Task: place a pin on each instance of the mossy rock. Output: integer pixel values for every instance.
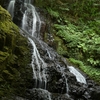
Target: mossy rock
(60, 46)
(1, 80)
(8, 30)
(7, 75)
(14, 58)
(3, 56)
(4, 15)
(2, 41)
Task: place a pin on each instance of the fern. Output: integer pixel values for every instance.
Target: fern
(53, 13)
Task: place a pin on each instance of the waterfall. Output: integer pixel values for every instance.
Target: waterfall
(37, 64)
(80, 78)
(11, 8)
(31, 23)
(28, 1)
(44, 65)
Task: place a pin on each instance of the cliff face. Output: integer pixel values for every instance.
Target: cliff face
(14, 57)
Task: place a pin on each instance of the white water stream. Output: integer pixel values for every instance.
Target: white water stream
(11, 8)
(28, 1)
(31, 23)
(80, 78)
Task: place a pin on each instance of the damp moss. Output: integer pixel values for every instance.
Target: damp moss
(3, 56)
(14, 57)
(60, 46)
(8, 30)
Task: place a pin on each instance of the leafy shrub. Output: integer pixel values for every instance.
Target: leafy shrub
(84, 43)
(53, 13)
(86, 9)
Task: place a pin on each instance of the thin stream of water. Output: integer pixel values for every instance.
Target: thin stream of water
(80, 78)
(37, 62)
(11, 8)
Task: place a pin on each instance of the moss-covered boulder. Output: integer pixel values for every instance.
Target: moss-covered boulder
(14, 58)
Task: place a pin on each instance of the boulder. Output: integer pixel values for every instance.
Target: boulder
(96, 93)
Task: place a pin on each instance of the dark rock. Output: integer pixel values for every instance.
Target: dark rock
(57, 85)
(61, 97)
(39, 94)
(4, 3)
(96, 93)
(18, 12)
(78, 91)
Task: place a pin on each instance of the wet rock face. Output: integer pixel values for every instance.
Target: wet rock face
(4, 3)
(57, 85)
(96, 93)
(18, 12)
(39, 94)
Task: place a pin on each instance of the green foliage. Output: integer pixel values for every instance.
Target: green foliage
(85, 9)
(3, 56)
(60, 47)
(82, 42)
(12, 59)
(53, 13)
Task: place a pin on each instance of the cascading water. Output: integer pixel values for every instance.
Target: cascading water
(31, 24)
(80, 78)
(28, 1)
(11, 7)
(37, 65)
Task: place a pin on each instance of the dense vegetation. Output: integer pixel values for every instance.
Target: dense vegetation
(77, 23)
